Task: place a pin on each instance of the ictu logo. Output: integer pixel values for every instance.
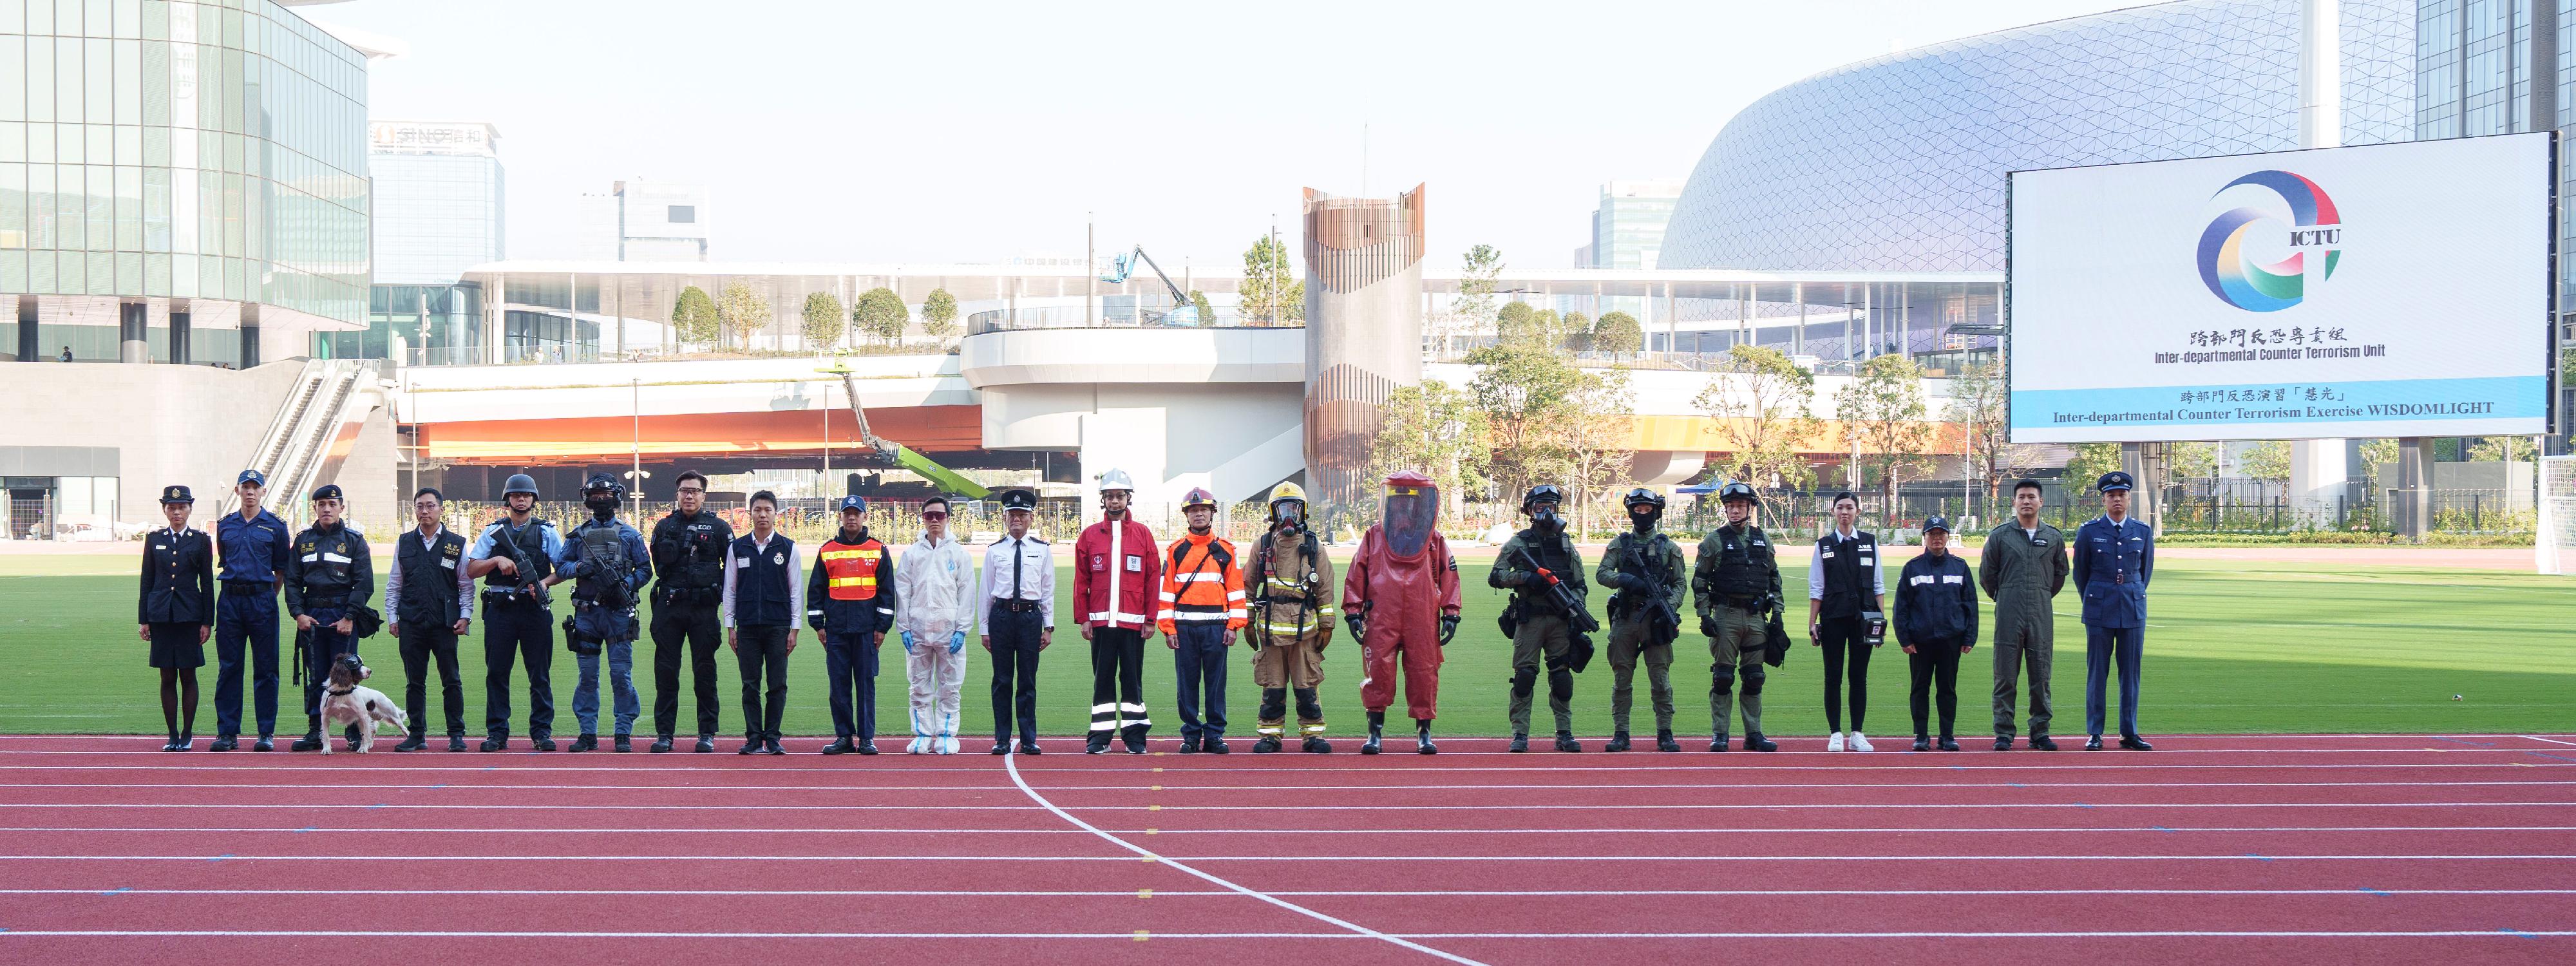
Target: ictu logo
(2314, 223)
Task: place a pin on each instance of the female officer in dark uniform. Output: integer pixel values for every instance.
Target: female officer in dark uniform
(175, 612)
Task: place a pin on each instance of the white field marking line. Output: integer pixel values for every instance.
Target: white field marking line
(1820, 830)
(1290, 808)
(2554, 741)
(1404, 939)
(1256, 894)
(1398, 787)
(1009, 766)
(1431, 894)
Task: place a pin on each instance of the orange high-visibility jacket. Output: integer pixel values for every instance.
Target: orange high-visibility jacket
(1202, 582)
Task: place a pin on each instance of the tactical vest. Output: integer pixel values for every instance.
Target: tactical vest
(531, 541)
(696, 556)
(1557, 555)
(603, 557)
(1847, 571)
(850, 571)
(1744, 564)
(429, 579)
(1643, 556)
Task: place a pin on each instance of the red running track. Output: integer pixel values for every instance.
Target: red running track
(2326, 849)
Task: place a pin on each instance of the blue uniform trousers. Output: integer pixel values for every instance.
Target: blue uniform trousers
(2102, 645)
(245, 620)
(850, 664)
(1201, 662)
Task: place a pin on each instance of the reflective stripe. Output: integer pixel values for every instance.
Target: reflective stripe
(1196, 576)
(1195, 615)
(1104, 708)
(830, 555)
(329, 557)
(813, 613)
(1098, 725)
(1233, 595)
(1313, 729)
(1119, 617)
(1167, 598)
(888, 611)
(309, 558)
(1268, 730)
(853, 582)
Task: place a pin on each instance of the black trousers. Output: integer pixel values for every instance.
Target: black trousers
(419, 644)
(1935, 663)
(762, 650)
(1846, 649)
(696, 623)
(1015, 671)
(1118, 683)
(512, 632)
(322, 647)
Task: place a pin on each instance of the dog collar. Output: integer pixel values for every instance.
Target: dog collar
(336, 692)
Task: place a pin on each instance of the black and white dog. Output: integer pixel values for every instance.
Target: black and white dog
(346, 702)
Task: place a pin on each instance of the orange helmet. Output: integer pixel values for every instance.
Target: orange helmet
(1198, 496)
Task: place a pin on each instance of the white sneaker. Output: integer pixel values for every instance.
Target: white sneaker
(1859, 743)
(948, 744)
(920, 746)
(1835, 742)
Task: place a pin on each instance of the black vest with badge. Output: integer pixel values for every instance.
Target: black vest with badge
(531, 541)
(429, 579)
(761, 591)
(1848, 565)
(1745, 562)
(688, 558)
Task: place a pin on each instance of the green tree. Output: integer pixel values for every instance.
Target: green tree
(1578, 332)
(1270, 294)
(881, 314)
(1517, 325)
(1761, 404)
(2375, 454)
(1529, 396)
(2505, 449)
(1882, 409)
(2268, 460)
(1618, 334)
(2090, 462)
(1473, 310)
(2191, 459)
(1982, 406)
(1601, 440)
(939, 315)
(745, 312)
(1199, 302)
(694, 318)
(823, 321)
(1434, 429)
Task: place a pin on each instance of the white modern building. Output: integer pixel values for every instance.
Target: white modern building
(645, 221)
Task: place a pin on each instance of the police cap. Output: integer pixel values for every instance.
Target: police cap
(177, 494)
(1936, 522)
(253, 477)
(329, 491)
(1019, 500)
(854, 502)
(2114, 480)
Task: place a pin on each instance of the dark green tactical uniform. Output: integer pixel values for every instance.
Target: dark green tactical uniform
(1544, 629)
(1732, 585)
(1656, 559)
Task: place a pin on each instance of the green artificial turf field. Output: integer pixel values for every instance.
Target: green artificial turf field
(2231, 647)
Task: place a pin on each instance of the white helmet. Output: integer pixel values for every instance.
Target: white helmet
(1116, 479)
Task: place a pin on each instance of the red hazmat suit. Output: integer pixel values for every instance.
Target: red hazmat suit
(1405, 598)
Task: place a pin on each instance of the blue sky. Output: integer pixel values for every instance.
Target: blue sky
(972, 132)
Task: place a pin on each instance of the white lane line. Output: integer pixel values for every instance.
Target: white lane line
(1223, 893)
(1355, 928)
(392, 806)
(1303, 830)
(1394, 787)
(1402, 939)
(2554, 741)
(1176, 863)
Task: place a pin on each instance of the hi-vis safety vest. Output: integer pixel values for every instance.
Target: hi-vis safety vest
(850, 570)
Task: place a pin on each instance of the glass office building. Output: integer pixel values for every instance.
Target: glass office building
(175, 176)
(438, 205)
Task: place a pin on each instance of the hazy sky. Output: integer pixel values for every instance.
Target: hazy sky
(905, 131)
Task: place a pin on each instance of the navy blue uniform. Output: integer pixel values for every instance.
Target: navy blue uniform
(1936, 616)
(178, 596)
(253, 553)
(328, 572)
(2113, 562)
(516, 628)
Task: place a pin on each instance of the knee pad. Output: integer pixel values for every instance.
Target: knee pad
(1274, 703)
(1560, 684)
(1307, 705)
(1524, 680)
(1753, 681)
(1557, 663)
(1721, 679)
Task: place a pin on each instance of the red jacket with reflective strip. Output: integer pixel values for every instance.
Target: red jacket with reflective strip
(1117, 574)
(1202, 583)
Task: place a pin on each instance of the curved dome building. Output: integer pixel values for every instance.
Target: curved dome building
(1898, 162)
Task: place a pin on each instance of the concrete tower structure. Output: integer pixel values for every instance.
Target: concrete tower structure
(1364, 329)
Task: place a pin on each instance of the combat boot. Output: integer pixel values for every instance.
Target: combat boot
(1377, 734)
(661, 745)
(311, 741)
(1520, 743)
(1664, 741)
(1422, 739)
(1189, 746)
(1565, 742)
(1618, 742)
(414, 742)
(586, 742)
(1267, 745)
(1316, 745)
(1216, 746)
(1753, 741)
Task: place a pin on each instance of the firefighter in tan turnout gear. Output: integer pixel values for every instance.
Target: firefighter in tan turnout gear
(1290, 583)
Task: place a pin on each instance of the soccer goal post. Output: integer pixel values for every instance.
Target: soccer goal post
(2554, 543)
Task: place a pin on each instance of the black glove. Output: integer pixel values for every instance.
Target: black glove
(1448, 628)
(1356, 623)
(1633, 582)
(1707, 626)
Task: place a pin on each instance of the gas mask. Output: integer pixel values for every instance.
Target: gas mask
(1544, 517)
(1288, 517)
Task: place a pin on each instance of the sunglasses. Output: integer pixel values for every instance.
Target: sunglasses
(934, 515)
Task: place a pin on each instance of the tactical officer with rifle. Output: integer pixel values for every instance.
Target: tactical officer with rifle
(1736, 586)
(608, 565)
(513, 556)
(1645, 615)
(1547, 617)
(688, 558)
